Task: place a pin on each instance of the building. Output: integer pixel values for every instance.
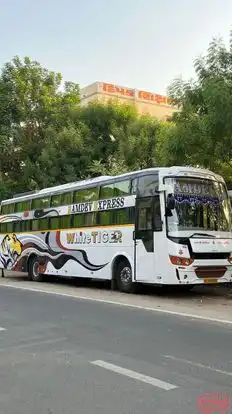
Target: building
(158, 106)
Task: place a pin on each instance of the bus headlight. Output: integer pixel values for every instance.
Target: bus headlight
(180, 261)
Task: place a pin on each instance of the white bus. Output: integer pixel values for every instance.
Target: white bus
(166, 226)
(230, 196)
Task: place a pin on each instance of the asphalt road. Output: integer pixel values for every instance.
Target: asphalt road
(61, 355)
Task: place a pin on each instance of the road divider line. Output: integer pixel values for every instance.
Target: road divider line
(155, 382)
(122, 304)
(198, 365)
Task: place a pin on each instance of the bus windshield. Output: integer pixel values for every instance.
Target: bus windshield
(199, 204)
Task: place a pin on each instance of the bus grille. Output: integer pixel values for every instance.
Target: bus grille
(210, 256)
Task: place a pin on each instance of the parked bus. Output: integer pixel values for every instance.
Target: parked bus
(166, 226)
(230, 196)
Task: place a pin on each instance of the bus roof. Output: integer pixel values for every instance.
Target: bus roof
(104, 179)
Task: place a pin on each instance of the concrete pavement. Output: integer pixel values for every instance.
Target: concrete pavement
(149, 362)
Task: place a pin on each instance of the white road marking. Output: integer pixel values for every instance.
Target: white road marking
(123, 304)
(2, 329)
(155, 382)
(198, 365)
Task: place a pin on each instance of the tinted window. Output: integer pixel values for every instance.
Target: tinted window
(3, 228)
(145, 214)
(35, 225)
(147, 185)
(66, 198)
(134, 186)
(26, 225)
(17, 226)
(90, 219)
(65, 222)
(22, 206)
(56, 200)
(9, 227)
(54, 223)
(122, 216)
(43, 224)
(88, 194)
(79, 220)
(105, 218)
(122, 188)
(43, 202)
(107, 191)
(7, 209)
(157, 214)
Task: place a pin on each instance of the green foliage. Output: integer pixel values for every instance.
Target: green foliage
(202, 134)
(47, 138)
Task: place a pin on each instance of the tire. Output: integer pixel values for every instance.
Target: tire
(124, 277)
(33, 268)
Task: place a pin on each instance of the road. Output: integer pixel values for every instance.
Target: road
(63, 355)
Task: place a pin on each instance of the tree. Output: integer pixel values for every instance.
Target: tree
(202, 130)
(32, 102)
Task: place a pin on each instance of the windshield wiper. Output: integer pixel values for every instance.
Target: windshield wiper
(211, 236)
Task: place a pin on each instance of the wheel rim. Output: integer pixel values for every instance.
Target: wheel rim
(125, 275)
(35, 269)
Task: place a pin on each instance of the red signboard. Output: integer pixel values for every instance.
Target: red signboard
(143, 95)
(149, 96)
(110, 88)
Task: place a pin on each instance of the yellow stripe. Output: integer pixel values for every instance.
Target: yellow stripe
(70, 229)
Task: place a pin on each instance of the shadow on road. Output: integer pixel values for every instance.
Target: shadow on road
(197, 293)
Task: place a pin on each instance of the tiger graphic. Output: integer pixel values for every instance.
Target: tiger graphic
(10, 251)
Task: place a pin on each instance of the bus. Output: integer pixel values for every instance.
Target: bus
(230, 196)
(160, 226)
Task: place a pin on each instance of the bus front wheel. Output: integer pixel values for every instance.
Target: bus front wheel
(33, 270)
(124, 277)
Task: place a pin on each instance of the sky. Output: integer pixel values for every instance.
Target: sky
(142, 44)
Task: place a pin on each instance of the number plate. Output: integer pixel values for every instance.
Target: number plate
(210, 281)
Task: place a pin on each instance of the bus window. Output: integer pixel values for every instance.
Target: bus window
(90, 219)
(122, 188)
(65, 222)
(56, 200)
(54, 223)
(134, 186)
(40, 203)
(66, 199)
(9, 227)
(84, 195)
(7, 209)
(22, 206)
(18, 226)
(105, 218)
(78, 220)
(147, 185)
(157, 214)
(107, 191)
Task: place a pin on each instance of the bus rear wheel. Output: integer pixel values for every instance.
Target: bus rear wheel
(33, 270)
(124, 277)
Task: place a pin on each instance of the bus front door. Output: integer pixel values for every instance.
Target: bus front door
(144, 239)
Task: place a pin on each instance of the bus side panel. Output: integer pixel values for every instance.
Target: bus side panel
(84, 252)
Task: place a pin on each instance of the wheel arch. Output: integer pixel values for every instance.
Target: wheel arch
(116, 260)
